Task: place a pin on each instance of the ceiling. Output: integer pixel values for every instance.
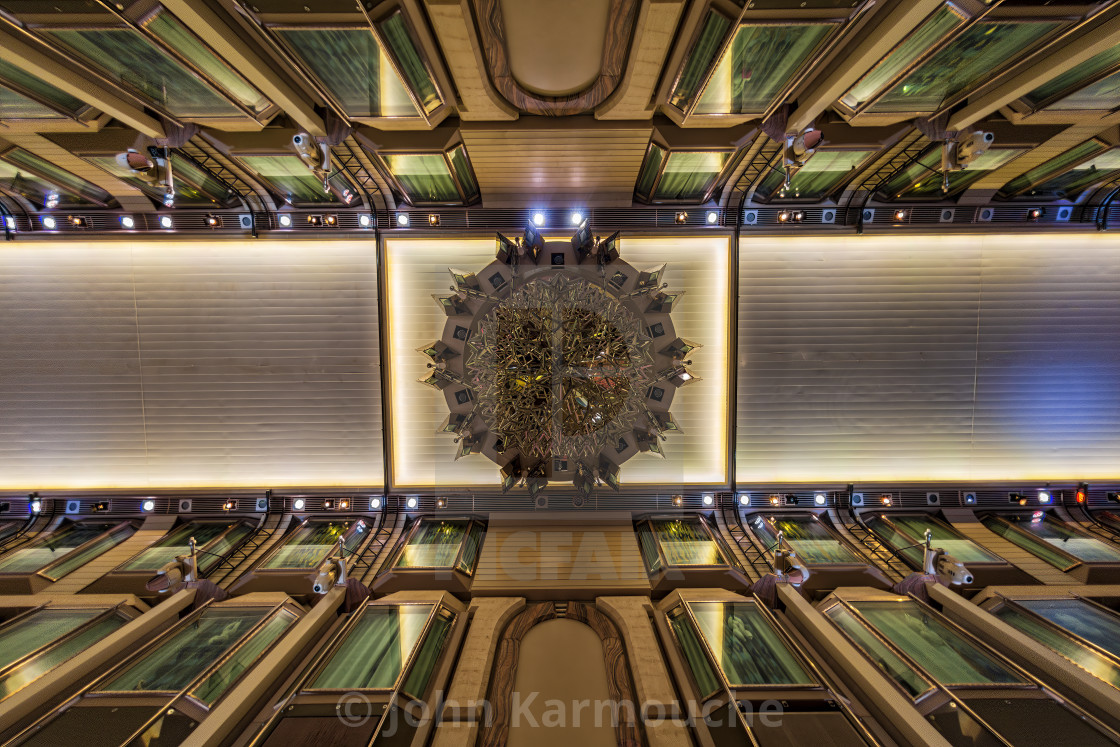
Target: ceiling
(493, 104)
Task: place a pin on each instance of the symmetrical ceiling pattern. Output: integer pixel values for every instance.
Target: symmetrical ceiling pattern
(493, 104)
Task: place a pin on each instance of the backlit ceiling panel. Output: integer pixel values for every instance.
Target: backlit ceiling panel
(418, 269)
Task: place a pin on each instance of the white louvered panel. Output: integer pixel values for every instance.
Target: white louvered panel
(70, 405)
(859, 358)
(249, 363)
(418, 268)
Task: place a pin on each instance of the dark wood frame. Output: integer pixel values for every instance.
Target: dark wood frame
(619, 682)
(616, 48)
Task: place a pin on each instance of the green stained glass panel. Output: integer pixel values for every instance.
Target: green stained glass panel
(966, 61)
(1098, 626)
(1030, 543)
(913, 528)
(700, 59)
(684, 542)
(177, 37)
(434, 545)
(650, 167)
(464, 172)
(55, 546)
(14, 106)
(470, 548)
(38, 629)
(748, 649)
(1052, 532)
(22, 676)
(812, 542)
(79, 558)
(45, 177)
(1070, 184)
(424, 177)
(1075, 76)
(290, 177)
(689, 175)
(1088, 659)
(194, 186)
(174, 544)
(649, 547)
(891, 663)
(376, 650)
(904, 55)
(926, 174)
(355, 70)
(138, 64)
(309, 545)
(757, 64)
(17, 76)
(707, 681)
(1102, 95)
(225, 676)
(1042, 171)
(934, 646)
(188, 653)
(817, 177)
(424, 664)
(411, 64)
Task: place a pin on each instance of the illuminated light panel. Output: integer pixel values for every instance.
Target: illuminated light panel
(417, 268)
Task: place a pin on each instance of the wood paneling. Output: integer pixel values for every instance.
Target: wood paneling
(553, 164)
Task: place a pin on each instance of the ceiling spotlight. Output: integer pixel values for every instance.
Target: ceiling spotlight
(538, 219)
(315, 220)
(165, 221)
(285, 220)
(364, 220)
(820, 498)
(681, 217)
(744, 499)
(713, 217)
(328, 504)
(886, 500)
(900, 215)
(149, 505)
(1035, 213)
(402, 220)
(169, 199)
(441, 503)
(1082, 491)
(412, 502)
(78, 221)
(230, 505)
(374, 504)
(783, 217)
(775, 500)
(127, 222)
(298, 504)
(797, 216)
(330, 220)
(708, 499)
(1043, 496)
(344, 504)
(678, 500)
(577, 217)
(51, 201)
(35, 507)
(214, 221)
(433, 219)
(49, 223)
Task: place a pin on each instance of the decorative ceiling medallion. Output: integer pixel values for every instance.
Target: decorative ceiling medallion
(559, 361)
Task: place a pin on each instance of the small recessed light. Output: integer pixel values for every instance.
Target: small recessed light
(344, 504)
(538, 219)
(127, 222)
(149, 505)
(374, 504)
(681, 217)
(1043, 496)
(678, 500)
(744, 499)
(402, 219)
(364, 221)
(298, 504)
(165, 221)
(285, 220)
(78, 221)
(783, 217)
(886, 500)
(577, 217)
(35, 507)
(1035, 213)
(713, 217)
(433, 219)
(315, 220)
(330, 220)
(230, 505)
(441, 502)
(708, 499)
(412, 502)
(820, 498)
(49, 223)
